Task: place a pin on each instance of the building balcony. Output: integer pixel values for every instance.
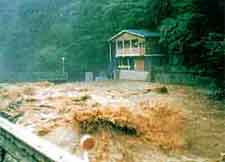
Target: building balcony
(123, 52)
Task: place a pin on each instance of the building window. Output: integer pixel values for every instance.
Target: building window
(142, 45)
(120, 44)
(126, 63)
(135, 43)
(127, 44)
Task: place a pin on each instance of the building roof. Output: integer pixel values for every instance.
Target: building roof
(138, 32)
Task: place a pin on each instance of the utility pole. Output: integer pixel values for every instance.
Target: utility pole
(63, 65)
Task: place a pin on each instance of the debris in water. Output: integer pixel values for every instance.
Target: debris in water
(82, 98)
(162, 90)
(157, 123)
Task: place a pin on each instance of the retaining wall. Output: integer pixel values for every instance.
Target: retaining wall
(182, 78)
(180, 75)
(177, 75)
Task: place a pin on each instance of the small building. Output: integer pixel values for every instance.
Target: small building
(135, 50)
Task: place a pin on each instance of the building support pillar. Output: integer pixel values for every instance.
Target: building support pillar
(128, 63)
(123, 47)
(116, 46)
(130, 46)
(110, 52)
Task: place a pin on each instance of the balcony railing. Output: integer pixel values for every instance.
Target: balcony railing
(130, 52)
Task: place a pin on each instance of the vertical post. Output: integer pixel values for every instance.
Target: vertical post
(111, 61)
(63, 65)
(116, 47)
(117, 64)
(110, 52)
(87, 143)
(139, 48)
(120, 63)
(144, 47)
(130, 47)
(123, 48)
(128, 63)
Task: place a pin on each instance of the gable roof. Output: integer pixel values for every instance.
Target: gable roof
(138, 32)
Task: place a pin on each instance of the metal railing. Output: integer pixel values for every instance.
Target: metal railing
(27, 147)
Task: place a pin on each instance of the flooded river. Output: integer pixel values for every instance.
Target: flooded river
(131, 121)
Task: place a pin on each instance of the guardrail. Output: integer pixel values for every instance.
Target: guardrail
(27, 147)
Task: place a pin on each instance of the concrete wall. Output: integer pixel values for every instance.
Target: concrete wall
(132, 75)
(180, 75)
(17, 145)
(169, 76)
(182, 78)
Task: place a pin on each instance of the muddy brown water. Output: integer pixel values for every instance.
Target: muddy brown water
(47, 107)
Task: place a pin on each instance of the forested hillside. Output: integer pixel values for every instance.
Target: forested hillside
(35, 34)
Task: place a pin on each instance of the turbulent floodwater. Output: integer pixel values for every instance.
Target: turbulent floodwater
(50, 111)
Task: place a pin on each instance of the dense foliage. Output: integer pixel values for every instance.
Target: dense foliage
(36, 34)
(195, 29)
